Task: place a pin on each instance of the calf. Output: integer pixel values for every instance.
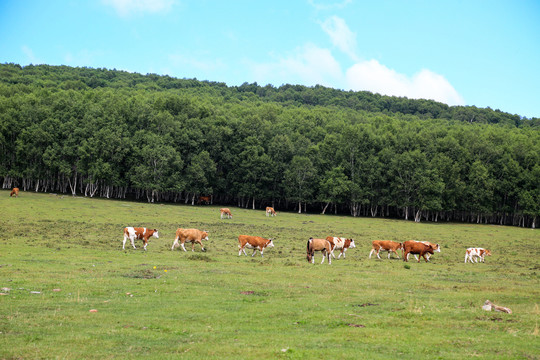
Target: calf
(341, 244)
(321, 245)
(385, 245)
(204, 200)
(15, 192)
(415, 247)
(189, 235)
(133, 233)
(253, 242)
(475, 253)
(270, 211)
(225, 212)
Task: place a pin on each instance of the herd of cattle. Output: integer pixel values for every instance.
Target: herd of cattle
(326, 246)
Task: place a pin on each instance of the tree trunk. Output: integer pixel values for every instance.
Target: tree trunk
(324, 210)
(299, 207)
(253, 204)
(418, 216)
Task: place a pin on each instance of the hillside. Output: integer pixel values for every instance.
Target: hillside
(114, 134)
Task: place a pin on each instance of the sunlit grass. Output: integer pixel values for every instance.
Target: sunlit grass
(170, 304)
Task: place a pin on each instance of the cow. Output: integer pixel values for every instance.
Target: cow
(270, 211)
(204, 199)
(385, 245)
(15, 192)
(133, 233)
(189, 235)
(436, 248)
(475, 253)
(321, 245)
(416, 247)
(341, 244)
(225, 212)
(253, 242)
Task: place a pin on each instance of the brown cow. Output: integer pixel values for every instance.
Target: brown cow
(133, 233)
(204, 199)
(15, 192)
(435, 247)
(270, 211)
(415, 247)
(340, 243)
(385, 245)
(190, 235)
(321, 245)
(225, 212)
(253, 242)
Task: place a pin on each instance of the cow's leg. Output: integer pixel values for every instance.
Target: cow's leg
(239, 250)
(254, 251)
(378, 256)
(428, 256)
(202, 247)
(145, 243)
(371, 252)
(406, 256)
(124, 243)
(342, 253)
(183, 247)
(132, 239)
(397, 254)
(175, 243)
(389, 253)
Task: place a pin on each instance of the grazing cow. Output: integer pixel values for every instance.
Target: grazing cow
(341, 244)
(321, 245)
(415, 247)
(225, 212)
(270, 211)
(436, 248)
(475, 253)
(15, 192)
(253, 242)
(133, 233)
(204, 199)
(385, 245)
(189, 235)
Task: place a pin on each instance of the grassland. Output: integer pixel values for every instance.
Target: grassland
(167, 304)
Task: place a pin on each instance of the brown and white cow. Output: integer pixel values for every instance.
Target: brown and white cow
(15, 192)
(476, 253)
(340, 243)
(385, 245)
(133, 233)
(416, 247)
(253, 242)
(225, 212)
(435, 247)
(270, 211)
(204, 199)
(189, 235)
(321, 245)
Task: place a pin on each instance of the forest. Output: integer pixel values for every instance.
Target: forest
(115, 134)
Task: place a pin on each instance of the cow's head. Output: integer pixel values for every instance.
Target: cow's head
(436, 247)
(270, 243)
(155, 234)
(487, 252)
(204, 235)
(352, 243)
(400, 247)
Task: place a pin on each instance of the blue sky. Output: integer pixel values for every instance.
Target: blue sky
(473, 52)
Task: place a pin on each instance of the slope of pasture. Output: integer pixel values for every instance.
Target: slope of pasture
(166, 304)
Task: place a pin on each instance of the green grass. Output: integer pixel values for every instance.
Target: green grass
(219, 305)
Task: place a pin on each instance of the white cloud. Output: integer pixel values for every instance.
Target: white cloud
(308, 65)
(340, 34)
(375, 77)
(30, 55)
(128, 7)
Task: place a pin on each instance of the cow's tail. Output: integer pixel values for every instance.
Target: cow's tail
(309, 249)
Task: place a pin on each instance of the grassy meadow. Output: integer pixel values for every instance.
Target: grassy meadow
(61, 256)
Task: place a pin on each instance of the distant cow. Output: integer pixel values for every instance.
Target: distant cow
(270, 211)
(340, 244)
(321, 245)
(204, 199)
(225, 212)
(475, 253)
(385, 245)
(253, 242)
(435, 247)
(133, 233)
(189, 235)
(15, 192)
(415, 247)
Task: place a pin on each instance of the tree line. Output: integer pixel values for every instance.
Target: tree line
(114, 134)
